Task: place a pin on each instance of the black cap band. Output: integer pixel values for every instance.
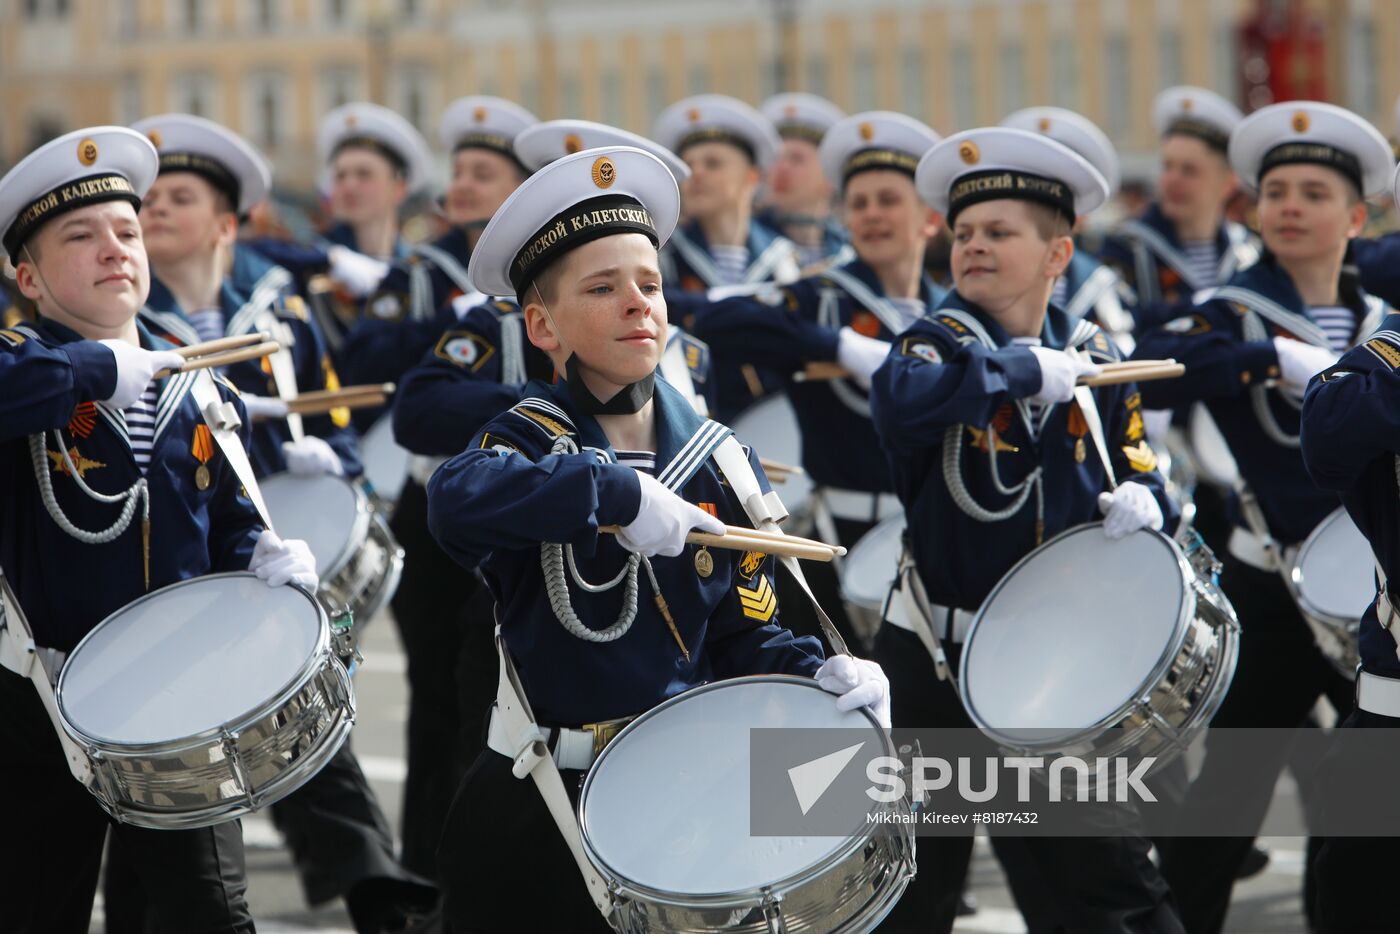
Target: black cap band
(716, 134)
(1214, 136)
(491, 142)
(996, 184)
(215, 173)
(1313, 154)
(573, 227)
(801, 131)
(94, 189)
(870, 159)
(395, 158)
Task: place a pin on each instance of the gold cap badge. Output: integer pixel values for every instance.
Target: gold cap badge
(1187, 104)
(479, 114)
(87, 151)
(1301, 121)
(604, 172)
(693, 115)
(790, 111)
(573, 144)
(867, 132)
(969, 153)
(154, 137)
(1043, 124)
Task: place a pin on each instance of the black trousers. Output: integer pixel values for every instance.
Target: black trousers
(1279, 677)
(51, 845)
(795, 610)
(444, 617)
(1075, 885)
(504, 865)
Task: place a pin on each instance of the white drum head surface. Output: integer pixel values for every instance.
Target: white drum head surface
(1073, 633)
(872, 565)
(188, 659)
(321, 510)
(770, 428)
(1337, 569)
(667, 806)
(384, 459)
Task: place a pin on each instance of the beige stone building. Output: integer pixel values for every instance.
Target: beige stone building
(269, 68)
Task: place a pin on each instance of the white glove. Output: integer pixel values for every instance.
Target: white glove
(663, 521)
(264, 406)
(1059, 371)
(1129, 508)
(1299, 362)
(859, 682)
(311, 457)
(360, 274)
(860, 355)
(278, 562)
(719, 293)
(136, 368)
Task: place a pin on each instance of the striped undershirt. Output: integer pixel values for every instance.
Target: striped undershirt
(910, 309)
(731, 262)
(642, 461)
(208, 323)
(141, 425)
(1060, 295)
(1337, 322)
(1202, 260)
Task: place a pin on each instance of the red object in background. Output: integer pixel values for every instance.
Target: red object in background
(1283, 55)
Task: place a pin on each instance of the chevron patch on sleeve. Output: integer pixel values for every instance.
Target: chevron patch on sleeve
(759, 602)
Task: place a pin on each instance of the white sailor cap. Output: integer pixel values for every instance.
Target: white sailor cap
(381, 129)
(1312, 132)
(1192, 111)
(572, 201)
(1075, 131)
(992, 163)
(482, 122)
(187, 143)
(716, 118)
(876, 139)
(798, 115)
(542, 143)
(90, 166)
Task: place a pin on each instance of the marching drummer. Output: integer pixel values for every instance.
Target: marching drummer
(848, 315)
(728, 146)
(1250, 351)
(95, 516)
(797, 199)
(992, 455)
(608, 445)
(1348, 421)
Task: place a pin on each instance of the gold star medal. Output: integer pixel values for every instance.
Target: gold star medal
(704, 562)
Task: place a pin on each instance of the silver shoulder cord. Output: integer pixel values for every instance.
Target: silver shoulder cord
(1254, 331)
(138, 492)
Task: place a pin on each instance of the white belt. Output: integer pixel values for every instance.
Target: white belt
(1251, 549)
(1378, 694)
(573, 749)
(421, 467)
(52, 660)
(860, 506)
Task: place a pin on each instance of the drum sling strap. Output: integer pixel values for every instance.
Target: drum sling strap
(224, 422)
(532, 756)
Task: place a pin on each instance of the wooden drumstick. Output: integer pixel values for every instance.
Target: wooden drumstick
(819, 370)
(772, 467)
(226, 357)
(1161, 370)
(740, 539)
(205, 348)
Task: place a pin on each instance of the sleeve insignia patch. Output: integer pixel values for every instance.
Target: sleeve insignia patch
(758, 602)
(387, 306)
(13, 338)
(1385, 351)
(1140, 456)
(490, 442)
(921, 347)
(1191, 324)
(465, 349)
(750, 564)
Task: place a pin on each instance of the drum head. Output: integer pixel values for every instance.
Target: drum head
(322, 510)
(868, 572)
(188, 658)
(666, 806)
(770, 428)
(385, 461)
(1335, 573)
(1071, 633)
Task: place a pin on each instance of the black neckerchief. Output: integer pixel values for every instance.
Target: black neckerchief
(627, 402)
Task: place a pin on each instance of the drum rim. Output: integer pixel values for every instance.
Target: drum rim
(1295, 575)
(1184, 616)
(848, 565)
(359, 528)
(631, 887)
(313, 663)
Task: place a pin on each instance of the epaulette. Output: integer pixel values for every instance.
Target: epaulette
(1385, 345)
(954, 328)
(12, 338)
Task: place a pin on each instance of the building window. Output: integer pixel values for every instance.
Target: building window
(816, 76)
(697, 79)
(189, 16)
(336, 12)
(195, 93)
(44, 9)
(530, 93)
(267, 108)
(413, 96)
(410, 9)
(964, 92)
(131, 101)
(1169, 50)
(569, 103)
(1064, 73)
(42, 128)
(1012, 76)
(265, 14)
(1116, 94)
(614, 99)
(655, 92)
(339, 86)
(1226, 54)
(863, 92)
(911, 81)
(1361, 66)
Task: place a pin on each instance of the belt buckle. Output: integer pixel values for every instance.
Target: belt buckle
(604, 733)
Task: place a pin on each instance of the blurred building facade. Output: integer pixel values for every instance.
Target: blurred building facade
(270, 68)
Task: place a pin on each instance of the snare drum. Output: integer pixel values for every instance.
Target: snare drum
(206, 700)
(868, 573)
(357, 558)
(770, 427)
(664, 814)
(385, 461)
(1333, 579)
(1084, 636)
